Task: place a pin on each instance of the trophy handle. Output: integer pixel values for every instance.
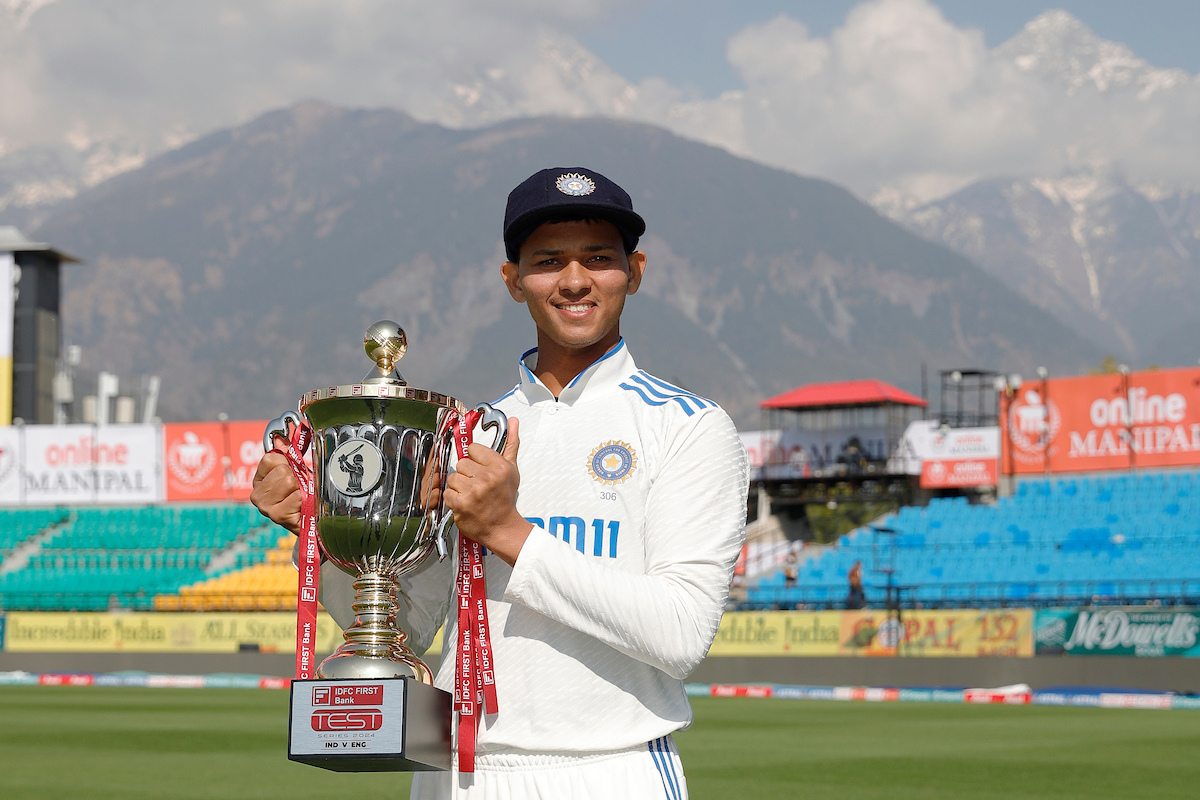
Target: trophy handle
(279, 427)
(492, 418)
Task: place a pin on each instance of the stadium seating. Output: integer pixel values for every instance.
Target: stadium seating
(261, 581)
(20, 525)
(96, 558)
(1120, 538)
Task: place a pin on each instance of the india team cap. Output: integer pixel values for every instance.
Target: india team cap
(573, 193)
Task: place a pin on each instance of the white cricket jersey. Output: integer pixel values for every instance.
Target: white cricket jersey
(637, 491)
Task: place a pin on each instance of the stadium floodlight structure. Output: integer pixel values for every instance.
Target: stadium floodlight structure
(30, 278)
(967, 399)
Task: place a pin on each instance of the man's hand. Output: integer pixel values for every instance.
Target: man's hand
(276, 492)
(482, 493)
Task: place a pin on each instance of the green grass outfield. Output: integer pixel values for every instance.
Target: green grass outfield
(89, 742)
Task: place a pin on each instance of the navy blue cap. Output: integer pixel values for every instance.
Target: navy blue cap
(568, 191)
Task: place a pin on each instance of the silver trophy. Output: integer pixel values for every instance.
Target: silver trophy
(381, 451)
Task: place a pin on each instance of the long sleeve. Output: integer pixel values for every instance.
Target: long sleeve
(694, 524)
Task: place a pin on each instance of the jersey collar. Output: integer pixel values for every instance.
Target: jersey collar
(604, 373)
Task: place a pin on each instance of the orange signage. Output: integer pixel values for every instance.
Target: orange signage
(211, 460)
(1143, 419)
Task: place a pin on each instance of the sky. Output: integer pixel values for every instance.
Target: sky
(902, 101)
(692, 54)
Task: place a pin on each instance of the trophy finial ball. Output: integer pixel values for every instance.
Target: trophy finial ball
(385, 343)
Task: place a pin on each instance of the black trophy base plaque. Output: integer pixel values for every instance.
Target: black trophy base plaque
(370, 725)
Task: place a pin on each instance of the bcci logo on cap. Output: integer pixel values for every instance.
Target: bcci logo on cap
(612, 462)
(575, 184)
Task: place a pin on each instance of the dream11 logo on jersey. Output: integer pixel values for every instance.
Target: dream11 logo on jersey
(1032, 425)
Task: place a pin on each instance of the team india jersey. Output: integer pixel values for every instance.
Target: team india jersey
(637, 493)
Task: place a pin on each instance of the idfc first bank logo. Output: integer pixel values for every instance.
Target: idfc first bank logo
(342, 708)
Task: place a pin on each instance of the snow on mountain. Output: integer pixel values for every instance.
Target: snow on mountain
(1114, 257)
(1059, 49)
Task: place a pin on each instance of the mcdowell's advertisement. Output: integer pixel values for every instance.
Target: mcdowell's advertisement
(1117, 632)
(957, 633)
(160, 632)
(1145, 419)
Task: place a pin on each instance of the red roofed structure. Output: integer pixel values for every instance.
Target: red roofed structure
(845, 430)
(841, 394)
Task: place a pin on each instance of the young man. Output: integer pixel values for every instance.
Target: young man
(612, 523)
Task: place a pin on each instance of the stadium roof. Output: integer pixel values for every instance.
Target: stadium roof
(13, 241)
(843, 393)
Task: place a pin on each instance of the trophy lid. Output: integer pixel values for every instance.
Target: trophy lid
(385, 343)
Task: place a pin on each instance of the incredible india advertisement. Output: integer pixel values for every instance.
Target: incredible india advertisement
(952, 633)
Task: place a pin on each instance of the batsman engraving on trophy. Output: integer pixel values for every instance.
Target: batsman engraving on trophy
(381, 453)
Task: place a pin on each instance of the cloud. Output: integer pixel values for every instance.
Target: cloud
(895, 98)
(150, 70)
(899, 98)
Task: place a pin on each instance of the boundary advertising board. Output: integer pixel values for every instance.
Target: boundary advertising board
(129, 464)
(159, 632)
(1117, 632)
(952, 457)
(1094, 422)
(941, 633)
(211, 460)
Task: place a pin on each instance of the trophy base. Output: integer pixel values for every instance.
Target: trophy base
(370, 725)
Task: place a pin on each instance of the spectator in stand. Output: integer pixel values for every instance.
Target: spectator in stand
(791, 572)
(855, 598)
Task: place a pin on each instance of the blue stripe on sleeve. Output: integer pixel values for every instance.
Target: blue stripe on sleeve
(645, 391)
(703, 401)
(644, 396)
(678, 397)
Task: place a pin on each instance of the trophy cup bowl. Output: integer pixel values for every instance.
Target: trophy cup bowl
(381, 453)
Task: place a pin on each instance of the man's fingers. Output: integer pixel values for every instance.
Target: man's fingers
(268, 462)
(514, 440)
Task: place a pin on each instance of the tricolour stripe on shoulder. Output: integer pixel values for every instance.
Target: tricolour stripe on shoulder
(649, 401)
(658, 393)
(704, 401)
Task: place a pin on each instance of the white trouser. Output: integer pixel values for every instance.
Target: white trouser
(649, 772)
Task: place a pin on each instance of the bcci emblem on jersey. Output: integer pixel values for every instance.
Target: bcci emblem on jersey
(612, 462)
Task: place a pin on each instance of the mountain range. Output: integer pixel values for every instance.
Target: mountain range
(244, 267)
(1118, 263)
(1116, 259)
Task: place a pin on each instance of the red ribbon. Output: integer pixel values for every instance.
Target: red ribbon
(475, 677)
(309, 562)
